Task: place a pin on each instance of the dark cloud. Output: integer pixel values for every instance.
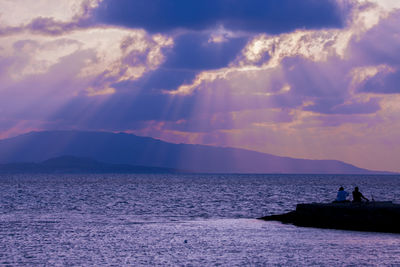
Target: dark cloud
(194, 51)
(380, 46)
(272, 16)
(9, 30)
(191, 54)
(337, 106)
(386, 83)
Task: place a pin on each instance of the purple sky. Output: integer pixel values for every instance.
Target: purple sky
(315, 79)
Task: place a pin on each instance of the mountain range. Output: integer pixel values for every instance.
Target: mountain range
(122, 150)
(71, 164)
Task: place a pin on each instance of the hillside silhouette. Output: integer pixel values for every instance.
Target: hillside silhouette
(71, 164)
(122, 148)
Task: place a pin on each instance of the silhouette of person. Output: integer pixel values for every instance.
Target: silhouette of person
(341, 195)
(357, 196)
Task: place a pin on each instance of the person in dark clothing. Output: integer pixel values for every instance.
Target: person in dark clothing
(357, 196)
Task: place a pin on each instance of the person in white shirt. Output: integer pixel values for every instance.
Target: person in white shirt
(341, 195)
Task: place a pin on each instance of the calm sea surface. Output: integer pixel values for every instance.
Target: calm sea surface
(182, 220)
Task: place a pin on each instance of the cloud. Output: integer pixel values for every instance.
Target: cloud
(46, 17)
(123, 111)
(273, 16)
(190, 54)
(161, 79)
(49, 26)
(40, 74)
(325, 71)
(338, 106)
(386, 83)
(380, 46)
(305, 78)
(194, 51)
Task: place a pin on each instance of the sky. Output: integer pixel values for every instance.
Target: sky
(315, 79)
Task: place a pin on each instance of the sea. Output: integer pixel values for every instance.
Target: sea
(183, 220)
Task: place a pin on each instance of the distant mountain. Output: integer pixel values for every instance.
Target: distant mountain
(122, 148)
(71, 164)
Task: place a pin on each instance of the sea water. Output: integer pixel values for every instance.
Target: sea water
(182, 220)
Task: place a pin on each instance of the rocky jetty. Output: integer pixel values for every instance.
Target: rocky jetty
(365, 216)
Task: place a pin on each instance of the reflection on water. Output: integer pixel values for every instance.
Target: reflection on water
(180, 220)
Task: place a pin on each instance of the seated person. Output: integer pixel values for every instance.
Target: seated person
(341, 195)
(357, 196)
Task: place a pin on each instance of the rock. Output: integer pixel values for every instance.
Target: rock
(365, 216)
